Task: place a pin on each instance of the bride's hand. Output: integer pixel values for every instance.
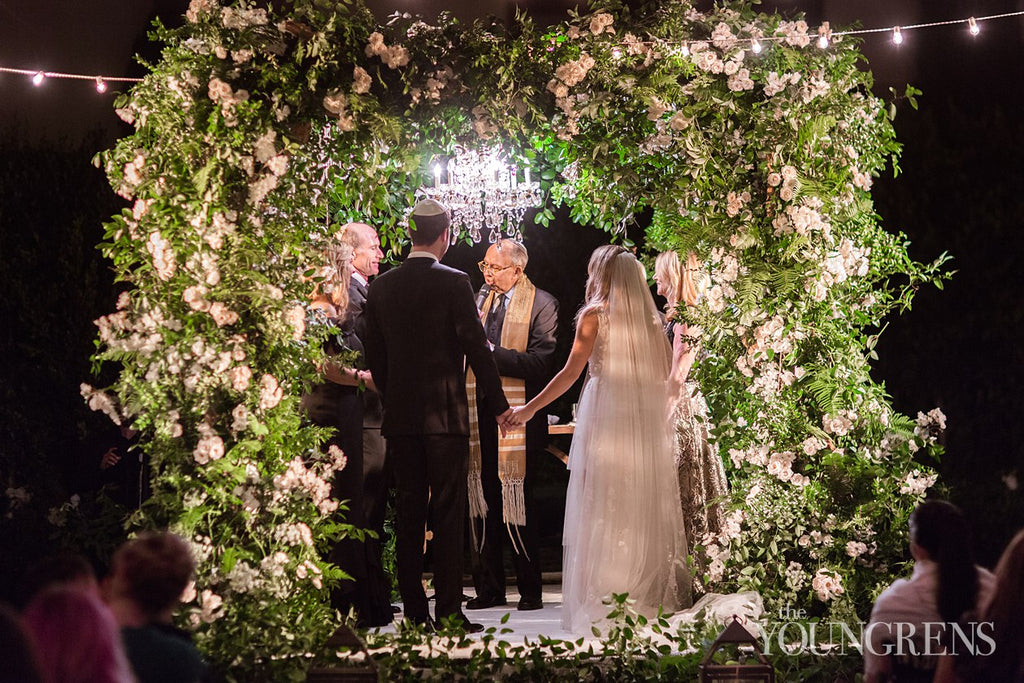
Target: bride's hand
(520, 416)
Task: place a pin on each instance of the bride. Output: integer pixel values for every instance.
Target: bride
(623, 522)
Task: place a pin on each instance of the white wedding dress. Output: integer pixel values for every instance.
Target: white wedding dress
(623, 522)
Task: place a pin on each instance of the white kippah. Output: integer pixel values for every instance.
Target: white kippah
(429, 207)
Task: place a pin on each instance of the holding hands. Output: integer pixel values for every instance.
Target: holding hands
(520, 416)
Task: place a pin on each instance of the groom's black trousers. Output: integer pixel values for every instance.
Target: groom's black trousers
(436, 464)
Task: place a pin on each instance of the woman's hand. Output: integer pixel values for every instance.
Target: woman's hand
(520, 416)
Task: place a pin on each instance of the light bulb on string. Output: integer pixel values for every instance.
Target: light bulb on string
(972, 26)
(616, 53)
(101, 85)
(755, 46)
(38, 78)
(823, 41)
(685, 50)
(897, 36)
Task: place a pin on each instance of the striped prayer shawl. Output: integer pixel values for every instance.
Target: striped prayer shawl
(515, 335)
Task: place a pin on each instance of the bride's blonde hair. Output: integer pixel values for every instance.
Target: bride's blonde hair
(599, 280)
(683, 284)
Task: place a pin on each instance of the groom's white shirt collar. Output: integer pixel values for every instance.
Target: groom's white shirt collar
(358, 277)
(420, 254)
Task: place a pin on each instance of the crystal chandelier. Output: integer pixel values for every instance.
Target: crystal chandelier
(483, 192)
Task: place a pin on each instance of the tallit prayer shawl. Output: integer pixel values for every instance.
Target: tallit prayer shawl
(515, 335)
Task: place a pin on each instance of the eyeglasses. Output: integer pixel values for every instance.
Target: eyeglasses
(485, 266)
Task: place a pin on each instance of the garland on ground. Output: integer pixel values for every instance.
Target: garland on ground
(257, 129)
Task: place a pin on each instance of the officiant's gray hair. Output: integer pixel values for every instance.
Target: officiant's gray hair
(516, 252)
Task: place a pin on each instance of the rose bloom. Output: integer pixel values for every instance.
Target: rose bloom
(240, 377)
(222, 315)
(270, 392)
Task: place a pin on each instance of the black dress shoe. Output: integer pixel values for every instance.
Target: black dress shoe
(529, 604)
(483, 602)
(463, 622)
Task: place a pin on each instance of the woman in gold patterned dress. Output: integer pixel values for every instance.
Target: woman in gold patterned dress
(703, 489)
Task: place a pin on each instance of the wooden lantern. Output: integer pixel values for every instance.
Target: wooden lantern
(735, 635)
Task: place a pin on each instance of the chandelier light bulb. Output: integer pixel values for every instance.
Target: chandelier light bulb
(897, 36)
(972, 26)
(823, 41)
(37, 78)
(101, 85)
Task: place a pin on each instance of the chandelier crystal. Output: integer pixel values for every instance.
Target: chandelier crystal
(483, 192)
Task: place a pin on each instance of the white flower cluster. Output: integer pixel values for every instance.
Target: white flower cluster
(133, 174)
(827, 584)
(795, 576)
(739, 80)
(336, 103)
(790, 184)
(722, 37)
(601, 23)
(917, 483)
(812, 445)
(240, 19)
(780, 465)
(803, 220)
(857, 548)
(221, 91)
(297, 533)
(394, 56)
(815, 86)
(196, 8)
(435, 83)
(777, 83)
(210, 446)
(794, 33)
(299, 478)
(930, 425)
(271, 392)
(101, 401)
(839, 424)
(569, 74)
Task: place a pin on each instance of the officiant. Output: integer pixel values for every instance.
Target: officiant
(520, 322)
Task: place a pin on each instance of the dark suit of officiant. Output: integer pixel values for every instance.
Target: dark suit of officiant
(535, 366)
(421, 324)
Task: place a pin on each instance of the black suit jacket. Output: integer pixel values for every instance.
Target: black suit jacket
(372, 410)
(535, 365)
(421, 326)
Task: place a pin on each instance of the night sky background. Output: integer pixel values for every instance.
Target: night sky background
(960, 189)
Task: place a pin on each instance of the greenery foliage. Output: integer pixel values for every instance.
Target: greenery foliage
(260, 129)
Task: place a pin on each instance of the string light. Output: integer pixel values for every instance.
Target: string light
(756, 46)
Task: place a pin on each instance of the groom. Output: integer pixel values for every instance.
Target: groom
(421, 326)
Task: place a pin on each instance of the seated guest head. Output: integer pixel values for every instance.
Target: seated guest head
(149, 575)
(17, 651)
(62, 569)
(939, 533)
(428, 223)
(1005, 610)
(76, 637)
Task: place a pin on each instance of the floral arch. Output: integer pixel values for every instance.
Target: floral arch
(259, 129)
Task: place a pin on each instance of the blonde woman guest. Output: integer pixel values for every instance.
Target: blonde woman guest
(623, 529)
(335, 402)
(702, 484)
